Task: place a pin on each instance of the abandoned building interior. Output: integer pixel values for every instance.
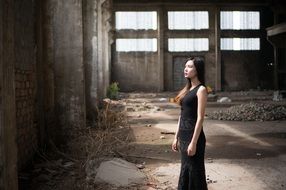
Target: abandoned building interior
(58, 58)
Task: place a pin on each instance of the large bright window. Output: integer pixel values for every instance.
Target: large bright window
(143, 20)
(188, 20)
(240, 44)
(239, 20)
(188, 44)
(132, 45)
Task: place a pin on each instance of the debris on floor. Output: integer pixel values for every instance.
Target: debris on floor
(251, 112)
(119, 172)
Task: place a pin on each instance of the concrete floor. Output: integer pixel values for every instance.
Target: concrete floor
(239, 155)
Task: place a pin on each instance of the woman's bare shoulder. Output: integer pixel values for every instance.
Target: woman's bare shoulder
(202, 90)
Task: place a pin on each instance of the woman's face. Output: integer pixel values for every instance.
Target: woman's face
(190, 70)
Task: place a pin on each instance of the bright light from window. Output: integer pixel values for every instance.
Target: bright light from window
(188, 44)
(240, 44)
(143, 20)
(186, 20)
(240, 20)
(136, 45)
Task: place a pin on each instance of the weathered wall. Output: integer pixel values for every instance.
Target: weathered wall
(239, 70)
(25, 79)
(224, 70)
(136, 71)
(243, 70)
(177, 59)
(67, 61)
(8, 145)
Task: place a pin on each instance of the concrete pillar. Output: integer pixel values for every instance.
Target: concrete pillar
(162, 20)
(8, 145)
(67, 50)
(104, 43)
(97, 40)
(217, 50)
(90, 41)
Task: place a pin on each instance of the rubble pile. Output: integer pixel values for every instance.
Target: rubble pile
(251, 112)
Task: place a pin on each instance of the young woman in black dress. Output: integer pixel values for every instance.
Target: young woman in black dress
(189, 137)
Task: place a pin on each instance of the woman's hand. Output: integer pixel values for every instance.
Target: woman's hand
(175, 145)
(192, 148)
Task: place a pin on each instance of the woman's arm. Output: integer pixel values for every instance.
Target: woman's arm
(202, 101)
(175, 141)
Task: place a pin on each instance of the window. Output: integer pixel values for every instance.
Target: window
(187, 20)
(188, 44)
(239, 20)
(143, 20)
(132, 45)
(240, 43)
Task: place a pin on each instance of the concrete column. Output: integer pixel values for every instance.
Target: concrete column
(8, 145)
(68, 65)
(90, 43)
(217, 50)
(275, 69)
(162, 21)
(104, 51)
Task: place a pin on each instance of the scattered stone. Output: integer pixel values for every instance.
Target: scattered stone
(162, 137)
(149, 125)
(119, 172)
(251, 112)
(139, 115)
(167, 133)
(157, 108)
(140, 166)
(210, 160)
(258, 154)
(224, 100)
(163, 99)
(277, 96)
(130, 109)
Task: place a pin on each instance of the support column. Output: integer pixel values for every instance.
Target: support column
(8, 145)
(69, 80)
(217, 50)
(90, 43)
(162, 21)
(104, 45)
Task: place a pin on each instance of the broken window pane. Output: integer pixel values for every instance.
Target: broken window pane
(143, 20)
(240, 43)
(188, 44)
(133, 45)
(239, 20)
(186, 20)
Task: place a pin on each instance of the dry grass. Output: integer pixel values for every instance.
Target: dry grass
(101, 138)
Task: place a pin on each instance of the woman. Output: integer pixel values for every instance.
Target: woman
(189, 134)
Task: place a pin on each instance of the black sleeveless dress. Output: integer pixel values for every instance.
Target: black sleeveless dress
(192, 175)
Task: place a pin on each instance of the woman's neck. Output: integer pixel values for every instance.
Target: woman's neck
(195, 82)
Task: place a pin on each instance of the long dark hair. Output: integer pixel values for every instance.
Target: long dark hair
(200, 67)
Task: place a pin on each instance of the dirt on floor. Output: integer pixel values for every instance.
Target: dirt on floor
(239, 155)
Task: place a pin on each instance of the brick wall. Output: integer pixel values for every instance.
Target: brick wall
(25, 115)
(25, 79)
